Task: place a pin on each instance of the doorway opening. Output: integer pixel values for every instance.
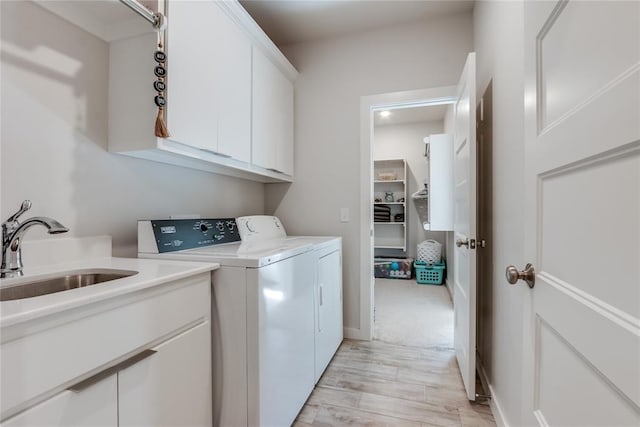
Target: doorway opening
(393, 239)
(412, 308)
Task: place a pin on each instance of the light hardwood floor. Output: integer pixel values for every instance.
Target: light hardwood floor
(377, 383)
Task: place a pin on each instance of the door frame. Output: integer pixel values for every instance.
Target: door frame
(368, 106)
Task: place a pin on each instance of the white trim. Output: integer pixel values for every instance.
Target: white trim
(366, 220)
(496, 407)
(258, 37)
(369, 104)
(354, 334)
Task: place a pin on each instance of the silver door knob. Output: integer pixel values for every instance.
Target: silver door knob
(461, 242)
(528, 275)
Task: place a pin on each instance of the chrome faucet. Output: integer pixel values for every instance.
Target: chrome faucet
(12, 232)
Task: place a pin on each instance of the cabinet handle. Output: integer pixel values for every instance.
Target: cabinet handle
(274, 170)
(82, 385)
(321, 298)
(214, 152)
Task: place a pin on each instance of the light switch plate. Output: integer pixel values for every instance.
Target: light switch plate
(344, 214)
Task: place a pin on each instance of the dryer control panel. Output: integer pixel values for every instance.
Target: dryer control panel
(166, 235)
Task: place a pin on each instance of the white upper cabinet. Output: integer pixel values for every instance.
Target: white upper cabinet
(192, 110)
(209, 80)
(229, 94)
(441, 186)
(272, 121)
(234, 84)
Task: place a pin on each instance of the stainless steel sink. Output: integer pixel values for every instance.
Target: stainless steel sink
(28, 288)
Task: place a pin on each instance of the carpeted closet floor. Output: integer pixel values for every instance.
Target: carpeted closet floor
(410, 314)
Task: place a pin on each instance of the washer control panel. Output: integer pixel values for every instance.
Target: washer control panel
(180, 234)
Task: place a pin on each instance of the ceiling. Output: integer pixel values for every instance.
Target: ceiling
(400, 116)
(296, 21)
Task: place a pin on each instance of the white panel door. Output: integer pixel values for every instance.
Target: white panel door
(582, 213)
(171, 387)
(464, 227)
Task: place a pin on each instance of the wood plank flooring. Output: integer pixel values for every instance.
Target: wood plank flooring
(377, 383)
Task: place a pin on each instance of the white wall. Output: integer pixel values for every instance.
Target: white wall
(54, 141)
(498, 42)
(406, 141)
(334, 74)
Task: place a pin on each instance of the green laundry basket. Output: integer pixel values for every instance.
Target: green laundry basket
(429, 273)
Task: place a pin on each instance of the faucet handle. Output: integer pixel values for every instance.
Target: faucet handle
(26, 205)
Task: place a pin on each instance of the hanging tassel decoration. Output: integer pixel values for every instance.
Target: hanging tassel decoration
(160, 86)
(161, 126)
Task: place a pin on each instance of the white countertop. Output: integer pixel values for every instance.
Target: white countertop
(150, 273)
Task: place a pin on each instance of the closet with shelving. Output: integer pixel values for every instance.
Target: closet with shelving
(389, 204)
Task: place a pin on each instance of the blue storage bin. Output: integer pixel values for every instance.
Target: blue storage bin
(393, 268)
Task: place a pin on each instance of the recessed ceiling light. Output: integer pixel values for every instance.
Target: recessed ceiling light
(385, 113)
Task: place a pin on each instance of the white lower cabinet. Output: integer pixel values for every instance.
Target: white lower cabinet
(97, 405)
(170, 387)
(141, 360)
(164, 387)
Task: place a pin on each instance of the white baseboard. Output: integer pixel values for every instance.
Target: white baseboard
(354, 334)
(446, 285)
(494, 402)
(496, 408)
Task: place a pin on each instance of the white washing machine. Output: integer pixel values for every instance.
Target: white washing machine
(276, 310)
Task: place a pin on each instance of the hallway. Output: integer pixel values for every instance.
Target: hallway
(410, 379)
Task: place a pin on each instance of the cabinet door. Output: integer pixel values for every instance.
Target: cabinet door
(208, 80)
(284, 105)
(172, 387)
(232, 76)
(191, 89)
(329, 320)
(96, 405)
(441, 182)
(272, 116)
